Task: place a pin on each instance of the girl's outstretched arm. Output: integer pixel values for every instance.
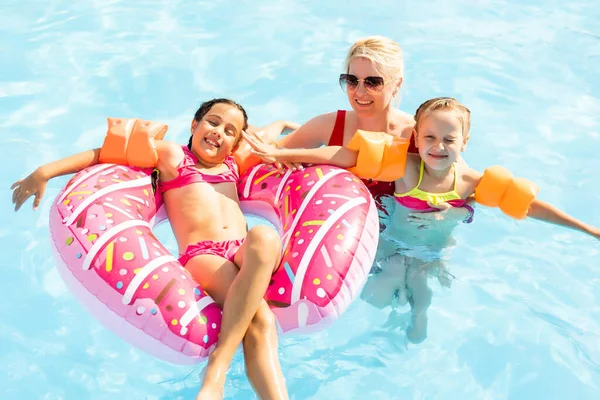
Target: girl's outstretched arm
(547, 212)
(35, 183)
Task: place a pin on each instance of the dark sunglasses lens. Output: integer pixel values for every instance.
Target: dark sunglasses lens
(374, 82)
(348, 81)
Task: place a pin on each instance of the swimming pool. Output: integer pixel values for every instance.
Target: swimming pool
(522, 319)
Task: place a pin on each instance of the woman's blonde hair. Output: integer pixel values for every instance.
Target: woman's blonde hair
(447, 104)
(385, 53)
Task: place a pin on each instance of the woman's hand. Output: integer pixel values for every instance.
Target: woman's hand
(268, 153)
(446, 215)
(33, 185)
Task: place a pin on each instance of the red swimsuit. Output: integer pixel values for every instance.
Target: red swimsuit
(376, 188)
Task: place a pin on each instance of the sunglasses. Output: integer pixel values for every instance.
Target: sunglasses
(371, 83)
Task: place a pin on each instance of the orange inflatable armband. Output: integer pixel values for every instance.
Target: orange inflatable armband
(499, 188)
(381, 156)
(130, 141)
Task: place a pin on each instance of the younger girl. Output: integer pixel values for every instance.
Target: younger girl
(198, 183)
(433, 177)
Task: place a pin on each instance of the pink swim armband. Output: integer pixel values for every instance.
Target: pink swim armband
(131, 141)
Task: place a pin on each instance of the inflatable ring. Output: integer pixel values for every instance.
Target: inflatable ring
(101, 228)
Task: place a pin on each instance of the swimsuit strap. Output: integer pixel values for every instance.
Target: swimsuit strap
(416, 188)
(337, 135)
(421, 170)
(454, 165)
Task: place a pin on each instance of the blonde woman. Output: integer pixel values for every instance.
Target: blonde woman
(374, 72)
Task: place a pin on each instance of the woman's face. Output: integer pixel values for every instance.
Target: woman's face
(369, 92)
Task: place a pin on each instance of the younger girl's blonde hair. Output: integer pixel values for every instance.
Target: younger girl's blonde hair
(385, 53)
(446, 104)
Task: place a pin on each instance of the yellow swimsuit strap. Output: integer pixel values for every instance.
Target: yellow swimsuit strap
(435, 198)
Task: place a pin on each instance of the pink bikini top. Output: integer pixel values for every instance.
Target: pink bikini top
(188, 173)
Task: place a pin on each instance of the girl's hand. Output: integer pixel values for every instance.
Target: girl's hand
(446, 214)
(267, 152)
(33, 185)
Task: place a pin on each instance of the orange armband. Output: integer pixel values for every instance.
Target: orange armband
(499, 188)
(381, 156)
(130, 141)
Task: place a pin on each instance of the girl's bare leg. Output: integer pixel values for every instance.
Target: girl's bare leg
(261, 356)
(240, 308)
(380, 288)
(416, 280)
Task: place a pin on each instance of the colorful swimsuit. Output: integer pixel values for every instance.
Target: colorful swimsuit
(416, 199)
(379, 189)
(188, 174)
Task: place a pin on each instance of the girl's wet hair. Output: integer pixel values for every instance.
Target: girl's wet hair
(446, 104)
(207, 105)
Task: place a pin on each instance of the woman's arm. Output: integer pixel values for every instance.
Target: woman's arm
(35, 183)
(314, 133)
(332, 155)
(546, 212)
(271, 132)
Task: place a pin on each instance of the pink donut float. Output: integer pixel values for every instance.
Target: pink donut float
(101, 228)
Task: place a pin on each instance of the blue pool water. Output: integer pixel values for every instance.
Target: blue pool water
(522, 319)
